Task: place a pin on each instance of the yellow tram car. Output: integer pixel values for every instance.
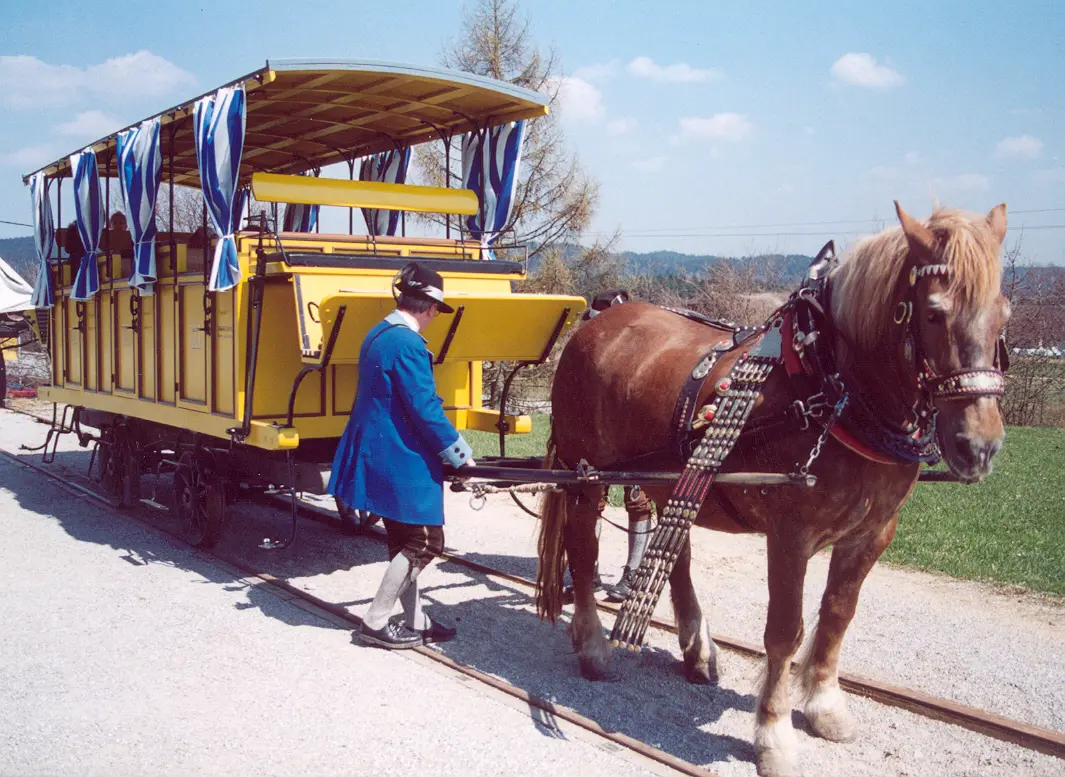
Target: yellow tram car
(253, 384)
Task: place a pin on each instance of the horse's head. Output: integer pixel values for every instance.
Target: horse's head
(951, 301)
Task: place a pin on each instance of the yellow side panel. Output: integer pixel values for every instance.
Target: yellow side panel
(167, 354)
(125, 374)
(106, 341)
(223, 376)
(270, 187)
(73, 343)
(510, 327)
(279, 361)
(345, 379)
(90, 345)
(193, 379)
(147, 348)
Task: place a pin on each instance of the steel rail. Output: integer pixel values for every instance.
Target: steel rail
(989, 724)
(558, 711)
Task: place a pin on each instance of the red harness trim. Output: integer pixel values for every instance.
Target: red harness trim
(794, 365)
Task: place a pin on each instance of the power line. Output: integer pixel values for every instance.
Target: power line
(16, 223)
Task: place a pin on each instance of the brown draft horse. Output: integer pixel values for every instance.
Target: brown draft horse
(613, 397)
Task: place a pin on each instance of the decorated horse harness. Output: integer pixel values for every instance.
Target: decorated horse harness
(800, 335)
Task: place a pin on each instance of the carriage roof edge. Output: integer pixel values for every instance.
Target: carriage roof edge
(358, 107)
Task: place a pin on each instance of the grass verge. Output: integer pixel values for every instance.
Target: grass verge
(1010, 529)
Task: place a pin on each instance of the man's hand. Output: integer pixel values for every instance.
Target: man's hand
(469, 463)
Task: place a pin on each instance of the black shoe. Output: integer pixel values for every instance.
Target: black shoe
(438, 632)
(620, 591)
(567, 592)
(394, 635)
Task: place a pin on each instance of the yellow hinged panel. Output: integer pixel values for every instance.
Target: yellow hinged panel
(489, 327)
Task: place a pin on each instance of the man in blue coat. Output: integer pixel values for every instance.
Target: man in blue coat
(391, 456)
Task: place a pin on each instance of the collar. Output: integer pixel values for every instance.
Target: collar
(403, 318)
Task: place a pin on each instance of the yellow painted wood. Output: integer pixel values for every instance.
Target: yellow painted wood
(485, 420)
(270, 187)
(494, 327)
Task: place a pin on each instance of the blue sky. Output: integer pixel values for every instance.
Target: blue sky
(725, 128)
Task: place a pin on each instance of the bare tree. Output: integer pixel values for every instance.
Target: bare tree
(555, 198)
(1035, 383)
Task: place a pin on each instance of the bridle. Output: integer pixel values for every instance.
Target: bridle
(958, 385)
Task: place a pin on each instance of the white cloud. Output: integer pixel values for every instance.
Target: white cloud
(28, 82)
(680, 73)
(621, 126)
(966, 182)
(912, 158)
(578, 100)
(89, 125)
(731, 127)
(651, 164)
(859, 69)
(602, 71)
(29, 157)
(1022, 146)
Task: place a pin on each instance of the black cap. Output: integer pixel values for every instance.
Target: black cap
(422, 282)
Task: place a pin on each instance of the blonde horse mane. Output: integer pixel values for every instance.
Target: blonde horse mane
(866, 282)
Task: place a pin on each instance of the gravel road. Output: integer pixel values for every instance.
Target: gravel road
(988, 647)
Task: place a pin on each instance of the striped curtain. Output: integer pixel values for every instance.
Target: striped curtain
(89, 207)
(220, 120)
(43, 240)
(300, 217)
(490, 163)
(140, 163)
(386, 167)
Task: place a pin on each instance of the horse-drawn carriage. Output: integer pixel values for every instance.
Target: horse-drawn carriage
(236, 361)
(229, 351)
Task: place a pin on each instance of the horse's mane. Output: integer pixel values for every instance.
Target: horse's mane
(866, 282)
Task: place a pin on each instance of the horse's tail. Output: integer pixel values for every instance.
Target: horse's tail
(554, 513)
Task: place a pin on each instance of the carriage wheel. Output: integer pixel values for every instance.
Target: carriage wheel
(355, 521)
(199, 501)
(109, 460)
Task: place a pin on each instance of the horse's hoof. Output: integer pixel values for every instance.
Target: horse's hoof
(595, 669)
(776, 752)
(828, 716)
(700, 673)
(771, 763)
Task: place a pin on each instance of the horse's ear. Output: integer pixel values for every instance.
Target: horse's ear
(996, 220)
(920, 239)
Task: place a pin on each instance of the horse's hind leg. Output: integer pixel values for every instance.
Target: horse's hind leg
(775, 747)
(700, 653)
(826, 707)
(582, 547)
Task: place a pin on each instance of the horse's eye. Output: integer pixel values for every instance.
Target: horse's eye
(936, 317)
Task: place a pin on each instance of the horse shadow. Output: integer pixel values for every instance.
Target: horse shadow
(499, 633)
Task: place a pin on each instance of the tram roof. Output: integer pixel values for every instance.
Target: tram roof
(309, 113)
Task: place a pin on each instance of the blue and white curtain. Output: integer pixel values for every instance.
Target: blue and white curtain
(140, 163)
(386, 167)
(43, 240)
(220, 120)
(490, 164)
(300, 217)
(89, 207)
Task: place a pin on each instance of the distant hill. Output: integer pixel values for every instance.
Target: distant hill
(21, 255)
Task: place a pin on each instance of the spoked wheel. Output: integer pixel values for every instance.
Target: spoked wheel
(109, 461)
(199, 501)
(355, 521)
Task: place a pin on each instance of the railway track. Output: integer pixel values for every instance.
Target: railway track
(988, 724)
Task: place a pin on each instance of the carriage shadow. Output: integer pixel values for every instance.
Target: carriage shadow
(650, 700)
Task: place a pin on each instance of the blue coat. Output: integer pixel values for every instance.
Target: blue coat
(390, 459)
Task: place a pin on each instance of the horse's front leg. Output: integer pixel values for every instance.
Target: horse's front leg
(775, 746)
(700, 653)
(582, 547)
(826, 707)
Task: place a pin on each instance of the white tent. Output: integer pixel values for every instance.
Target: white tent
(15, 293)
